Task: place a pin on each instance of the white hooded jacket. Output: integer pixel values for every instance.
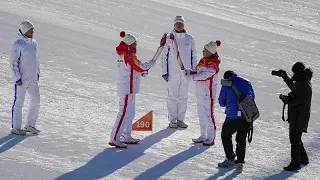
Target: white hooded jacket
(24, 59)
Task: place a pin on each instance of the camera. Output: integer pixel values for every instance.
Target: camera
(279, 72)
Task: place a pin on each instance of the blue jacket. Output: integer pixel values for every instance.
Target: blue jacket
(228, 97)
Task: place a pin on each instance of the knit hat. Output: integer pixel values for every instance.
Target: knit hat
(179, 19)
(25, 26)
(127, 38)
(298, 66)
(228, 74)
(212, 46)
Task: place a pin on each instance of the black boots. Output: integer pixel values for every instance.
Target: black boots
(292, 168)
(298, 156)
(304, 160)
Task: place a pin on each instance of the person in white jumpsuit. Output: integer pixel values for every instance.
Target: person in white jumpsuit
(173, 71)
(26, 71)
(206, 77)
(128, 84)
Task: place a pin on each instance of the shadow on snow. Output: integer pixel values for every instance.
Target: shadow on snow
(112, 159)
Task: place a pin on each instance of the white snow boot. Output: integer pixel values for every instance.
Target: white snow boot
(31, 129)
(129, 140)
(117, 144)
(208, 142)
(181, 124)
(198, 140)
(18, 131)
(173, 124)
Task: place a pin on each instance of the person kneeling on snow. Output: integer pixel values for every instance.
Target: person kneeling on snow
(128, 84)
(235, 121)
(206, 77)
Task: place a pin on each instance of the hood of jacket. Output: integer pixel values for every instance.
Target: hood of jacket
(123, 48)
(304, 75)
(21, 36)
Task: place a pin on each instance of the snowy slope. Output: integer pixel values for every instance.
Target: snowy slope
(77, 42)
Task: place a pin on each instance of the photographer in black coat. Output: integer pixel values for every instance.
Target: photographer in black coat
(299, 103)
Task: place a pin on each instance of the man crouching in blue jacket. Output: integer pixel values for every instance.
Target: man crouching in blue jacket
(234, 120)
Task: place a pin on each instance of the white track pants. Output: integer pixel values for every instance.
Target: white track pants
(123, 123)
(177, 97)
(32, 88)
(205, 110)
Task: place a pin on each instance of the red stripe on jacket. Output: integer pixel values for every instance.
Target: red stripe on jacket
(211, 109)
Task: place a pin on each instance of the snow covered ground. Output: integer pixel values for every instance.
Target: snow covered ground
(77, 41)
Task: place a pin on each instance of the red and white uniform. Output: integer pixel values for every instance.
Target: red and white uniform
(128, 84)
(25, 67)
(178, 83)
(206, 78)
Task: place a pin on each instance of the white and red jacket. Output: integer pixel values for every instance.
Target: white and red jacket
(130, 70)
(206, 76)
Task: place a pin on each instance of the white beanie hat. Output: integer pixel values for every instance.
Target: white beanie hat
(127, 38)
(25, 26)
(212, 46)
(179, 19)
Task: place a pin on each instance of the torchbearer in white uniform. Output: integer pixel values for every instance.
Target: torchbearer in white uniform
(26, 71)
(206, 77)
(179, 53)
(128, 85)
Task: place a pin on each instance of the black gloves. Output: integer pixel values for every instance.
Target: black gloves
(283, 74)
(286, 99)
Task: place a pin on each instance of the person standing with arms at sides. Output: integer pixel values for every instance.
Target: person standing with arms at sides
(206, 77)
(128, 85)
(26, 72)
(179, 53)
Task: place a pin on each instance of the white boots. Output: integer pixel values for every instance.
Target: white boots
(124, 141)
(31, 129)
(24, 131)
(18, 131)
(178, 123)
(198, 140)
(129, 140)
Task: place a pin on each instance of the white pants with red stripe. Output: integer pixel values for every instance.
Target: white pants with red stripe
(32, 88)
(123, 123)
(205, 110)
(177, 97)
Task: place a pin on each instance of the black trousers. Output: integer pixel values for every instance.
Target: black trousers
(228, 129)
(298, 153)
